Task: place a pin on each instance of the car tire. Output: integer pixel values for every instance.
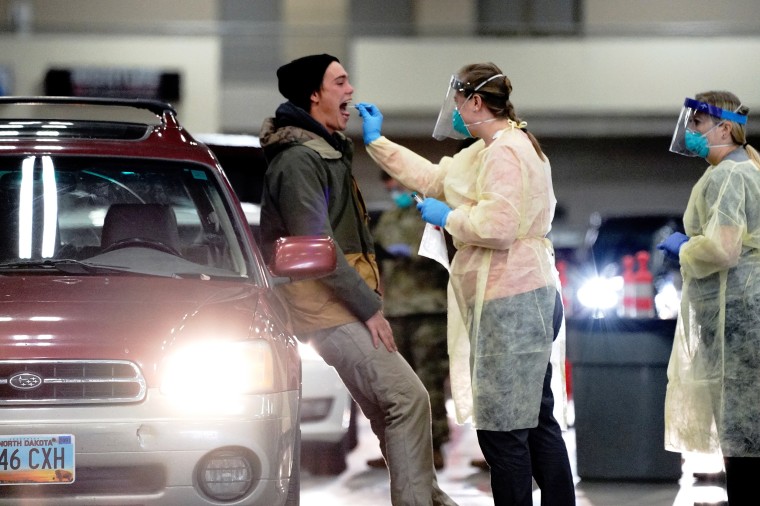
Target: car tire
(324, 459)
(329, 459)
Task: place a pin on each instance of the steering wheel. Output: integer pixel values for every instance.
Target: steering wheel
(137, 242)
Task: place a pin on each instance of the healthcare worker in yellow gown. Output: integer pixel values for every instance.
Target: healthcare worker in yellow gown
(496, 200)
(713, 396)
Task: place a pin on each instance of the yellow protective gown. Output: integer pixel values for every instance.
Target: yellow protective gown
(713, 396)
(503, 281)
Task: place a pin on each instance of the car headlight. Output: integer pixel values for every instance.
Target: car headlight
(600, 292)
(219, 369)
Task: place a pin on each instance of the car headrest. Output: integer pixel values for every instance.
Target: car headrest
(155, 222)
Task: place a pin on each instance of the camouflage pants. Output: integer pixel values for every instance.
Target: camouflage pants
(421, 340)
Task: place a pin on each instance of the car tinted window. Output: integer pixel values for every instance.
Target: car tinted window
(166, 217)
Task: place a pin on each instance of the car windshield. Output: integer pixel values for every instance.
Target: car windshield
(116, 215)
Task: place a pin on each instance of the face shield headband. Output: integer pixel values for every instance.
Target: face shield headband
(444, 126)
(687, 140)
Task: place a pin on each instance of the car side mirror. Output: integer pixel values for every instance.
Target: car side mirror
(302, 257)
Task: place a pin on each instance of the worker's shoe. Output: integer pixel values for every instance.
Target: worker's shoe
(480, 464)
(438, 459)
(377, 463)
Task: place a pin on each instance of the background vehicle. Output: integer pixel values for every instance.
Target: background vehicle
(144, 356)
(328, 413)
(596, 281)
(620, 367)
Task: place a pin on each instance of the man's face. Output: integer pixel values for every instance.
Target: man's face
(329, 105)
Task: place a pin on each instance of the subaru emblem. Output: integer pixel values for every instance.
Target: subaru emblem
(25, 381)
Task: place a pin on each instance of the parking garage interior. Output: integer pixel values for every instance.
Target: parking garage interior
(599, 82)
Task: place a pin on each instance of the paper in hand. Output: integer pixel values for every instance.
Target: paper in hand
(433, 245)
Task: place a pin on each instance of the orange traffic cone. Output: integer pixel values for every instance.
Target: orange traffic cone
(628, 309)
(644, 287)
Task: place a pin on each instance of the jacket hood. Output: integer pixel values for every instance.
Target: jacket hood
(293, 125)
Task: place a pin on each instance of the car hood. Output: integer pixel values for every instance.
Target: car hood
(140, 319)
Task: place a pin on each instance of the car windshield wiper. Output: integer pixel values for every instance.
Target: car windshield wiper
(65, 265)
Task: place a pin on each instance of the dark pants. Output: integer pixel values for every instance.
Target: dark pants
(741, 480)
(517, 457)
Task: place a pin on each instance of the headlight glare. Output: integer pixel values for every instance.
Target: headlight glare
(601, 293)
(219, 369)
(307, 352)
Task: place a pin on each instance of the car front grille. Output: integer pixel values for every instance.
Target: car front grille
(61, 382)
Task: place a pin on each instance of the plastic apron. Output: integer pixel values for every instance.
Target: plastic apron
(712, 402)
(503, 281)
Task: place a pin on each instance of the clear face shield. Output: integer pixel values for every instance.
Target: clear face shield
(444, 126)
(697, 119)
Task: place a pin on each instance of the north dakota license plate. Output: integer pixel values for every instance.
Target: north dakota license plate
(36, 459)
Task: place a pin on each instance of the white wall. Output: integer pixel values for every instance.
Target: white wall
(197, 59)
(630, 75)
(560, 77)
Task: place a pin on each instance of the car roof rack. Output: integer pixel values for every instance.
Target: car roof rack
(155, 106)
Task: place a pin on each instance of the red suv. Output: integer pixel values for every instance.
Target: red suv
(145, 357)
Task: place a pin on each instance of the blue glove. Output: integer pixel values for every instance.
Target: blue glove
(373, 121)
(672, 245)
(434, 211)
(399, 249)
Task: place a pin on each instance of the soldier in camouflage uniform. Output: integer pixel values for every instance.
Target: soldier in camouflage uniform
(414, 302)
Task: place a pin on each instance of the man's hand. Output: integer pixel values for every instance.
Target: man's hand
(381, 331)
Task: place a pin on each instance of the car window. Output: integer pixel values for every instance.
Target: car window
(142, 216)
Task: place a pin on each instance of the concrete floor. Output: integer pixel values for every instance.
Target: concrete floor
(361, 485)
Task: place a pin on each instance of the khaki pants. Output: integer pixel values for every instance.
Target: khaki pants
(393, 398)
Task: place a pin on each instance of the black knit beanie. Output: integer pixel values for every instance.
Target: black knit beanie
(300, 78)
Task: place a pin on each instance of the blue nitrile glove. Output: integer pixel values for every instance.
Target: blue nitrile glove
(373, 121)
(399, 249)
(434, 211)
(672, 245)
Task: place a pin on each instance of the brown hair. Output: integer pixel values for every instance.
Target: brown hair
(495, 94)
(730, 102)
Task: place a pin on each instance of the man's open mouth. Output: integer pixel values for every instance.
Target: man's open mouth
(344, 107)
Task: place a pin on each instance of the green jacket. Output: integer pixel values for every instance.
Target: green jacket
(309, 189)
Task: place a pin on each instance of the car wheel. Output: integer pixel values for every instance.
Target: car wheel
(294, 488)
(329, 459)
(324, 459)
